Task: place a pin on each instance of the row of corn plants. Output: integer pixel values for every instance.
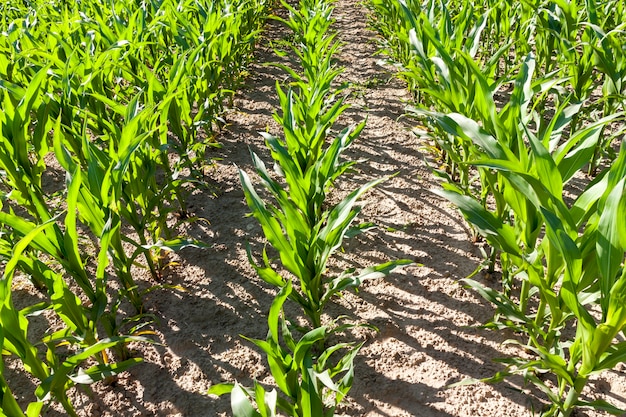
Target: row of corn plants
(121, 98)
(303, 231)
(521, 99)
(578, 44)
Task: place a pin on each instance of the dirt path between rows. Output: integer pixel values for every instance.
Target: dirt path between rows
(428, 334)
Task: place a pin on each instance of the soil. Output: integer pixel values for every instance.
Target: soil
(429, 334)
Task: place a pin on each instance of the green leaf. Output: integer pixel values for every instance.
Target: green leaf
(266, 272)
(602, 405)
(276, 309)
(546, 168)
(349, 280)
(468, 129)
(103, 371)
(614, 354)
(609, 247)
(39, 240)
(240, 404)
(34, 409)
(505, 305)
(221, 389)
(339, 220)
(58, 380)
(175, 245)
(271, 227)
(494, 230)
(306, 343)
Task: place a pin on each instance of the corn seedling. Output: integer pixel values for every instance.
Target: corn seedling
(59, 371)
(303, 232)
(529, 184)
(569, 271)
(312, 384)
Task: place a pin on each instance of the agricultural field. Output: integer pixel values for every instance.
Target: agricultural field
(312, 208)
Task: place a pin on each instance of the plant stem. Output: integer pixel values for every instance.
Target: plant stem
(572, 395)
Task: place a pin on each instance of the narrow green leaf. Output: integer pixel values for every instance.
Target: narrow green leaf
(494, 230)
(240, 404)
(276, 310)
(220, 389)
(609, 247)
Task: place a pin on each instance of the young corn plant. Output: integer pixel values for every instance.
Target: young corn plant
(22, 150)
(565, 275)
(44, 238)
(67, 349)
(511, 126)
(60, 243)
(610, 58)
(95, 57)
(22, 160)
(442, 65)
(304, 248)
(555, 258)
(312, 383)
(432, 44)
(199, 48)
(298, 226)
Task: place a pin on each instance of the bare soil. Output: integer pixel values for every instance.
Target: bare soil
(429, 334)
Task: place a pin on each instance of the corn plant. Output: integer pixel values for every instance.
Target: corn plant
(312, 383)
(95, 59)
(20, 146)
(304, 248)
(22, 168)
(572, 272)
(80, 332)
(608, 52)
(310, 23)
(427, 41)
(299, 227)
(426, 38)
(441, 65)
(200, 49)
(565, 270)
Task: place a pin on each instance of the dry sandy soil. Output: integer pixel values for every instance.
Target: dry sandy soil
(428, 322)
